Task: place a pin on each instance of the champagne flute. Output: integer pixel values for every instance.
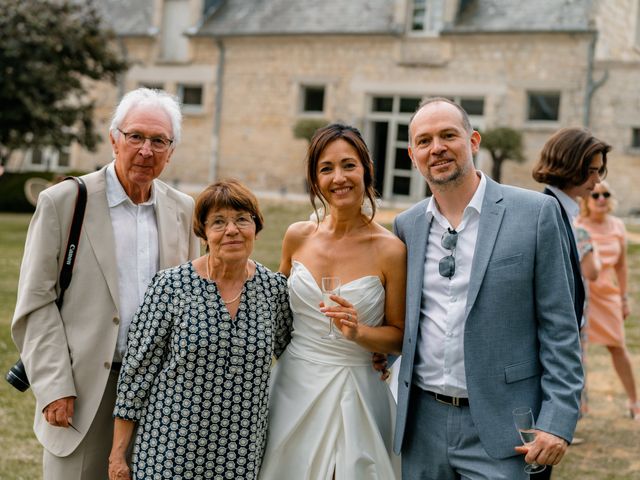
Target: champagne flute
(526, 426)
(330, 286)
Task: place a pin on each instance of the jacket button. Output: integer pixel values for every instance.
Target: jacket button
(107, 365)
(406, 384)
(116, 320)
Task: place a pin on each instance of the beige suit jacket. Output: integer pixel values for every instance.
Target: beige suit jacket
(68, 352)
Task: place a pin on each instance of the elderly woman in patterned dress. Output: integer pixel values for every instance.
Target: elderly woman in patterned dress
(196, 372)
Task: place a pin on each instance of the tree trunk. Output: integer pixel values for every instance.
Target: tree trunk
(496, 169)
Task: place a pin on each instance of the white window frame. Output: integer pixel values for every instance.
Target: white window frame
(529, 121)
(395, 118)
(191, 107)
(634, 148)
(301, 100)
(50, 157)
(432, 20)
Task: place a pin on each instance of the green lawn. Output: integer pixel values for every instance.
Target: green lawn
(610, 451)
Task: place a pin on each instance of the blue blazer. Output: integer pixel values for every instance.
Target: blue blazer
(521, 345)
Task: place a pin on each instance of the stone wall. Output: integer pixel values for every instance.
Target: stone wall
(263, 78)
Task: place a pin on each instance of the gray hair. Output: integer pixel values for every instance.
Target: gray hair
(148, 97)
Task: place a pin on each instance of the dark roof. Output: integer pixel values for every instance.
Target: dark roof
(268, 17)
(523, 15)
(264, 17)
(127, 17)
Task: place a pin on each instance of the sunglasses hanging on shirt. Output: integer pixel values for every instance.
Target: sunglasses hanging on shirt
(447, 265)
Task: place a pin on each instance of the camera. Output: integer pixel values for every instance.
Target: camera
(17, 376)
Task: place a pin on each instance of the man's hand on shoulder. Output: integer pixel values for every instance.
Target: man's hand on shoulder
(547, 449)
(59, 413)
(380, 364)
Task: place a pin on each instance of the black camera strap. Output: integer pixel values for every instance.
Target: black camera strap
(74, 238)
(17, 376)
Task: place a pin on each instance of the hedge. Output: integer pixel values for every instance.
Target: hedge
(12, 198)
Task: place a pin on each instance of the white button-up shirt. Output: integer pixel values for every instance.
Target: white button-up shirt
(137, 251)
(439, 364)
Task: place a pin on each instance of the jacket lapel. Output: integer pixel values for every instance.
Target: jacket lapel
(166, 217)
(490, 220)
(415, 261)
(97, 227)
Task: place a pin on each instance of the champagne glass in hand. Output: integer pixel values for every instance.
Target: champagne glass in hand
(330, 286)
(523, 418)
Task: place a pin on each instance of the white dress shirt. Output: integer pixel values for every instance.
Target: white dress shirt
(439, 364)
(137, 252)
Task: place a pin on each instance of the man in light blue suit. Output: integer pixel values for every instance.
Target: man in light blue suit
(490, 324)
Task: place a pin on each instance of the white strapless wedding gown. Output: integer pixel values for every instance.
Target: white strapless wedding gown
(329, 410)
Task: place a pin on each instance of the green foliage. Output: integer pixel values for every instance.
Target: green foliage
(306, 127)
(49, 51)
(503, 143)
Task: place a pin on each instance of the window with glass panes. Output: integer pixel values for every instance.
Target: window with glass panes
(48, 158)
(312, 100)
(635, 138)
(388, 138)
(418, 15)
(190, 96)
(543, 106)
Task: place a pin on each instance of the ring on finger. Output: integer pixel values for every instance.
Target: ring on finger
(348, 317)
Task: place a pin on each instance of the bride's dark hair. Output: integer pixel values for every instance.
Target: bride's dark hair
(321, 139)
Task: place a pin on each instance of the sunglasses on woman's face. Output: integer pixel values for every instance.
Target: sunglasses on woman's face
(596, 195)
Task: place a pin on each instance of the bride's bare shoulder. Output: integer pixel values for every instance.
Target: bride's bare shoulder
(387, 243)
(298, 232)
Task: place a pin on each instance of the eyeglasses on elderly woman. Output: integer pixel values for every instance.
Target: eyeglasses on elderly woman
(596, 195)
(242, 222)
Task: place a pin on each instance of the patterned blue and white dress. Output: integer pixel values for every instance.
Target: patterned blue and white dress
(196, 380)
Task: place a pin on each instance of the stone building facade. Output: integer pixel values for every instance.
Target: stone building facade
(249, 70)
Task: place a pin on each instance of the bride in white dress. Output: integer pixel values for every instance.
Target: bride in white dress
(331, 416)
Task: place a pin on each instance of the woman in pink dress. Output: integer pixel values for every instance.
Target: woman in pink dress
(608, 303)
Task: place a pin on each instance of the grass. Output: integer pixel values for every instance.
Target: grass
(609, 453)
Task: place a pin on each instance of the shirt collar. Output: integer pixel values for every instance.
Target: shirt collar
(474, 204)
(569, 204)
(115, 191)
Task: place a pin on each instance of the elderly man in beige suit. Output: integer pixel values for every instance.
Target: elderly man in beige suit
(134, 226)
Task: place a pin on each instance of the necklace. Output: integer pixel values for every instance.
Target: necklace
(234, 299)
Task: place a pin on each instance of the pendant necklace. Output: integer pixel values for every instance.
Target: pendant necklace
(234, 299)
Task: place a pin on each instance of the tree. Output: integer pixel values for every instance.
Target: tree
(306, 128)
(49, 51)
(503, 143)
